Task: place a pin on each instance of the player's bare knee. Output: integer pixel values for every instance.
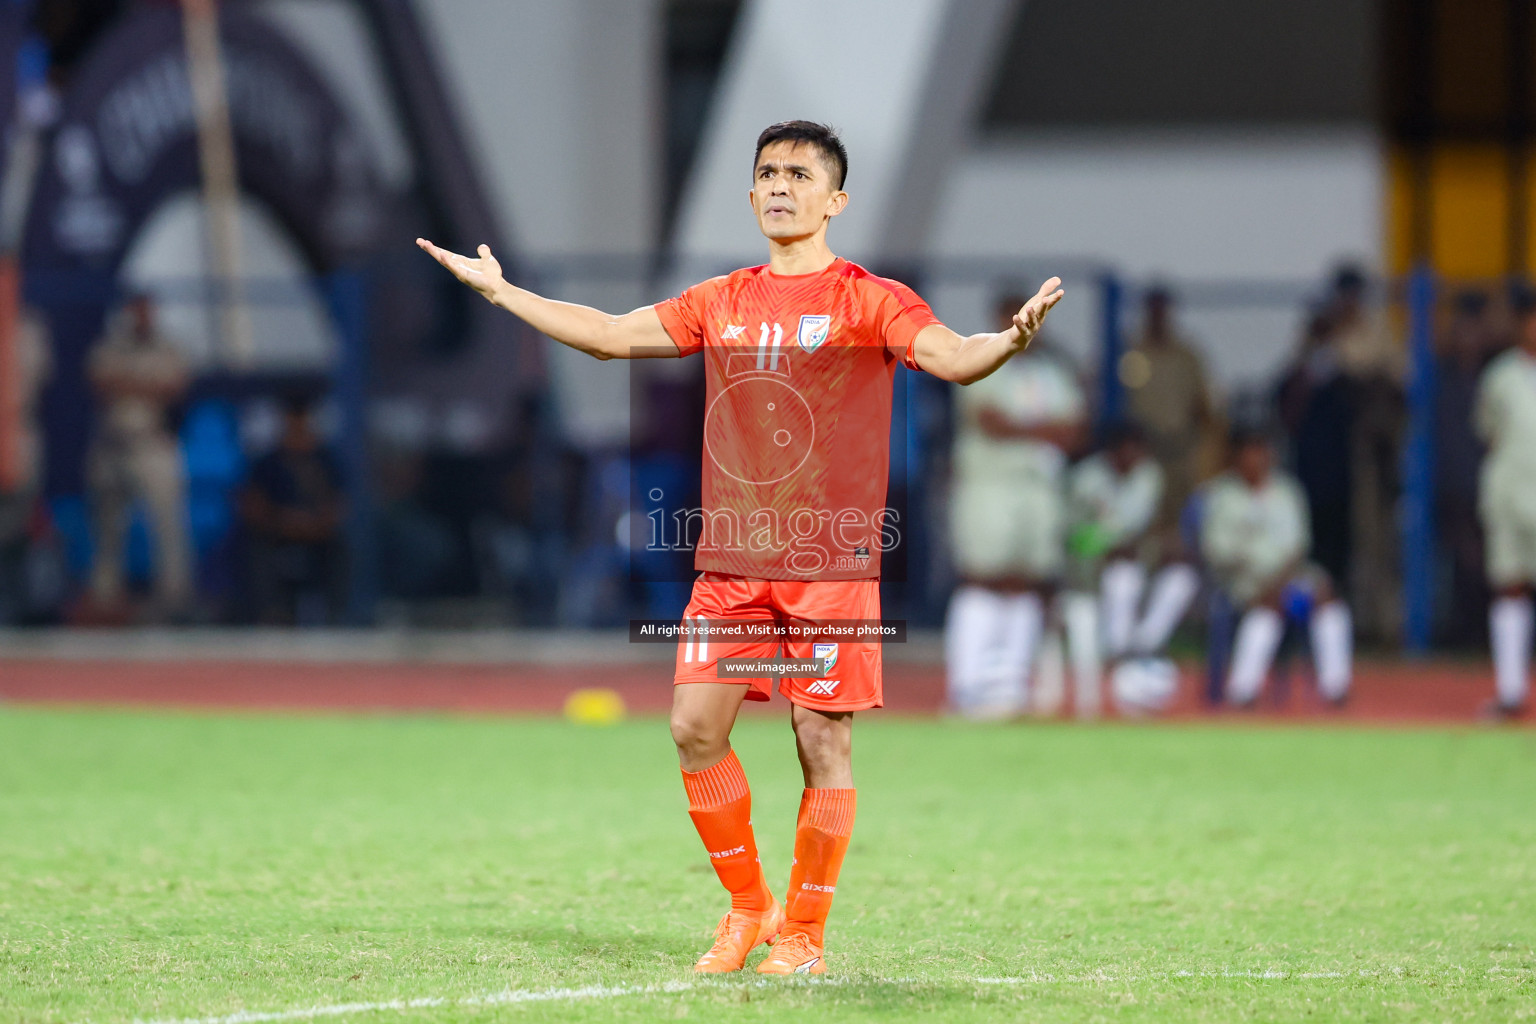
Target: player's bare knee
(696, 737)
(688, 731)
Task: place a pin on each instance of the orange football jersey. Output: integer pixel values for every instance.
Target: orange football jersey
(797, 428)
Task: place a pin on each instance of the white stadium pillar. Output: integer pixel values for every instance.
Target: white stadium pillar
(562, 102)
(902, 80)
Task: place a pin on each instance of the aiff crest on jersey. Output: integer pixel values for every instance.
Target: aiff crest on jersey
(813, 331)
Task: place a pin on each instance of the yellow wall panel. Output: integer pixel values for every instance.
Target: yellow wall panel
(1469, 209)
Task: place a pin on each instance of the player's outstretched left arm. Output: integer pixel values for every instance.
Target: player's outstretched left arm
(966, 360)
(634, 335)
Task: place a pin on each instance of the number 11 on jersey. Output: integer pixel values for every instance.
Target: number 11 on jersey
(762, 346)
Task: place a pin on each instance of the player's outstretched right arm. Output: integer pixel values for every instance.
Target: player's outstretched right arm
(965, 360)
(634, 335)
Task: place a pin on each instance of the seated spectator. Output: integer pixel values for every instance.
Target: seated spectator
(415, 549)
(1255, 535)
(293, 509)
(1115, 498)
(518, 541)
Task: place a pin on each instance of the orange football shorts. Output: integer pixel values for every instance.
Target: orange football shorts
(853, 679)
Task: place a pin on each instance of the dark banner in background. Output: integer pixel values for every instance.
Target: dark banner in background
(126, 143)
(127, 140)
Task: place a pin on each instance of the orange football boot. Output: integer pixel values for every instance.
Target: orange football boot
(739, 933)
(794, 953)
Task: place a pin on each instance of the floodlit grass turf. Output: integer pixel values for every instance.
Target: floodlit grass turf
(166, 865)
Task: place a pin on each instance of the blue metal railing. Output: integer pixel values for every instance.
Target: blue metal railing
(1418, 501)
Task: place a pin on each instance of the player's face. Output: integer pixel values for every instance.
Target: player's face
(792, 191)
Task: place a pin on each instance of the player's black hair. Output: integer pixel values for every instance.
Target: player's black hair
(824, 138)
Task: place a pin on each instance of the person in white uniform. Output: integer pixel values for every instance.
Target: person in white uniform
(1255, 537)
(1114, 497)
(1505, 418)
(1014, 432)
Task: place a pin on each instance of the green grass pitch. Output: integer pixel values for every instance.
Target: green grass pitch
(159, 866)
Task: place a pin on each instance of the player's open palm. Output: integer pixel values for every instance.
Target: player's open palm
(1032, 314)
(483, 274)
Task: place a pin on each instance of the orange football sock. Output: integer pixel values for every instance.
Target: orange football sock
(821, 839)
(720, 805)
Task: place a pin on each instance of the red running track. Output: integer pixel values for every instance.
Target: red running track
(1435, 691)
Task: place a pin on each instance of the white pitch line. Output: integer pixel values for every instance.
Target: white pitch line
(541, 995)
(510, 996)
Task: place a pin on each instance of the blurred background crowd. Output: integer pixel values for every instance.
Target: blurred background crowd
(212, 510)
(254, 403)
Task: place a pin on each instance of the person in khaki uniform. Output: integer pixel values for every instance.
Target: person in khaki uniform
(1505, 417)
(1168, 395)
(139, 374)
(1014, 432)
(1254, 537)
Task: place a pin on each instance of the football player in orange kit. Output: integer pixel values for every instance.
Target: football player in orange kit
(797, 439)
